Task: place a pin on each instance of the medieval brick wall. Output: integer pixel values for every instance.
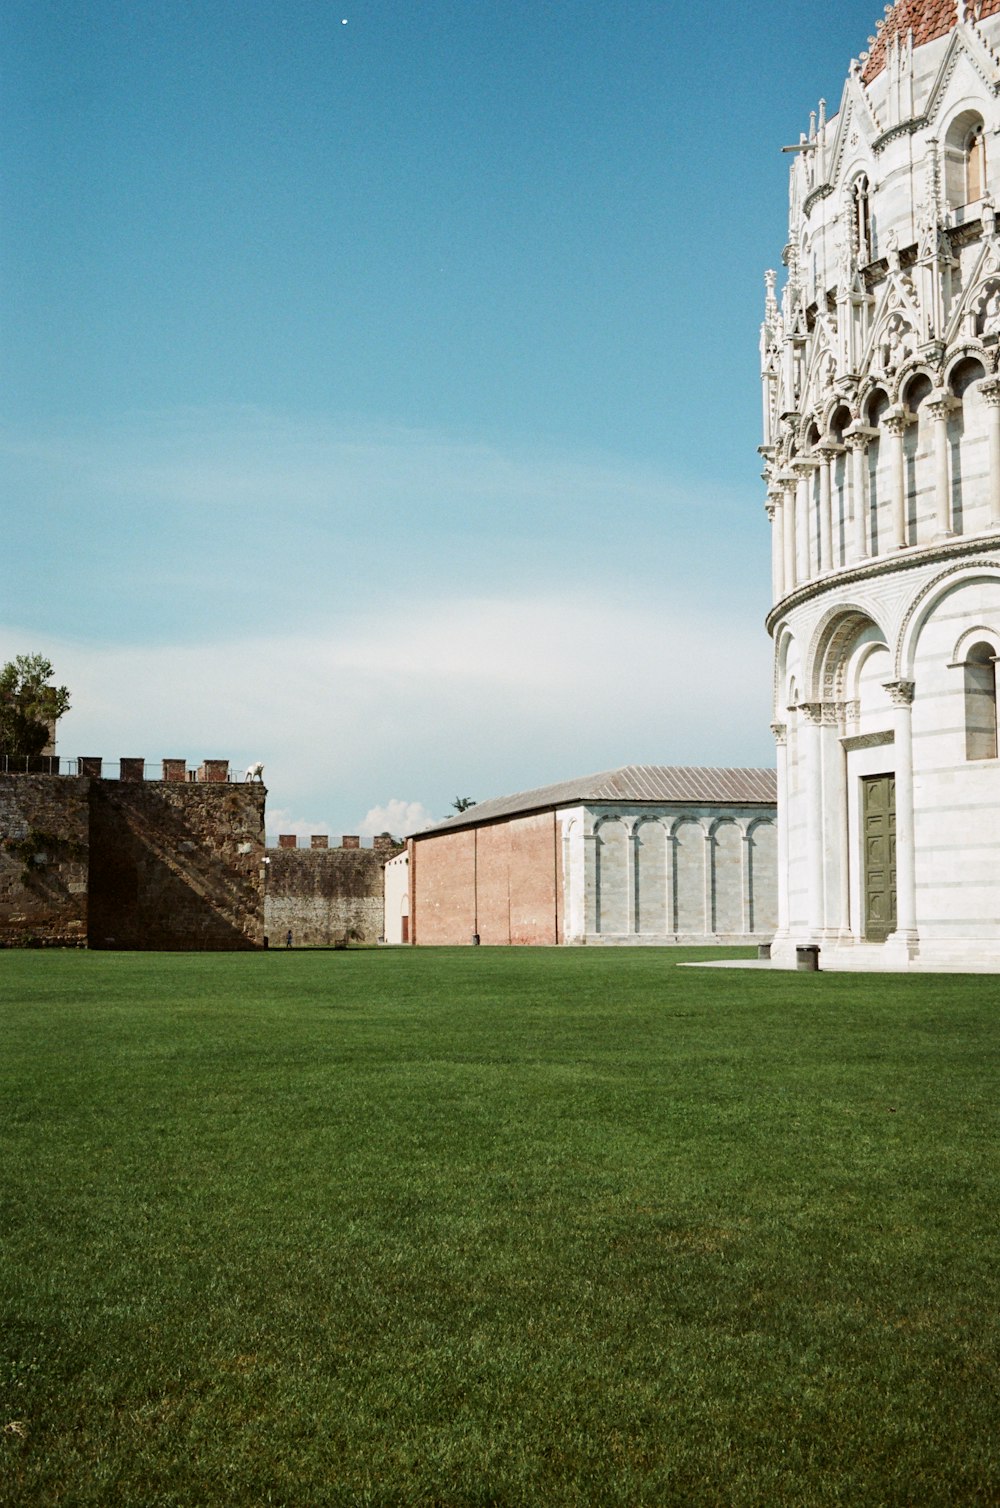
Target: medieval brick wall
(129, 864)
(502, 880)
(176, 866)
(44, 847)
(322, 895)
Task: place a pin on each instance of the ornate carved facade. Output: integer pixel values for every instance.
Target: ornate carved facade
(880, 365)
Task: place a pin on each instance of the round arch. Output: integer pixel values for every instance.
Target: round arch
(786, 664)
(687, 820)
(835, 636)
(925, 602)
(980, 633)
(961, 373)
(916, 384)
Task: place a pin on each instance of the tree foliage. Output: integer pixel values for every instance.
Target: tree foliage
(462, 803)
(29, 705)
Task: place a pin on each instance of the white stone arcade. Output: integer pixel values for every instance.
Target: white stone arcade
(882, 463)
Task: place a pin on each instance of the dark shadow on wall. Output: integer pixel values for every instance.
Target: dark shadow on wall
(175, 867)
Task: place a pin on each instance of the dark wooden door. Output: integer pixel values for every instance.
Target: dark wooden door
(878, 820)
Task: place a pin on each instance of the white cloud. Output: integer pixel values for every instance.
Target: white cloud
(397, 817)
(479, 697)
(281, 820)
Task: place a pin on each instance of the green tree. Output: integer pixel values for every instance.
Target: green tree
(462, 803)
(29, 705)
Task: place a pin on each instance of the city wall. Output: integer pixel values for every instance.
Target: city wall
(175, 863)
(324, 895)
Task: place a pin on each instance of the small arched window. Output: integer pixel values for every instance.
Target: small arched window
(965, 160)
(980, 702)
(964, 374)
(861, 223)
(975, 164)
(918, 390)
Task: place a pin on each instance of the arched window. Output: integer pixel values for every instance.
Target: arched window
(861, 224)
(965, 160)
(918, 389)
(975, 164)
(965, 372)
(980, 702)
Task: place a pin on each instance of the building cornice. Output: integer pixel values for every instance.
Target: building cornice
(904, 128)
(821, 191)
(910, 559)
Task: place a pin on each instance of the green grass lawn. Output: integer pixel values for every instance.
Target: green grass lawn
(473, 1227)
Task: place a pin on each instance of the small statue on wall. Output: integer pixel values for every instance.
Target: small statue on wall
(895, 346)
(988, 314)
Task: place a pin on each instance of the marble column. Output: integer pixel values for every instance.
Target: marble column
(746, 882)
(803, 468)
(990, 391)
(894, 425)
(901, 696)
(829, 450)
(787, 483)
(811, 756)
(839, 757)
(939, 405)
(857, 441)
(709, 884)
(780, 731)
(773, 509)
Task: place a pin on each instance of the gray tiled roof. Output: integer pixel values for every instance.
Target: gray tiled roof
(652, 783)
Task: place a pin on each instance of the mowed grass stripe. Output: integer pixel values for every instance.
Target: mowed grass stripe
(495, 1227)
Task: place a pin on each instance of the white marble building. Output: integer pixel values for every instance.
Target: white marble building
(882, 463)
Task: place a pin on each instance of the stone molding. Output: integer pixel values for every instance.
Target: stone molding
(867, 740)
(909, 559)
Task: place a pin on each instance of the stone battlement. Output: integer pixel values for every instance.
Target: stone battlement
(381, 844)
(94, 767)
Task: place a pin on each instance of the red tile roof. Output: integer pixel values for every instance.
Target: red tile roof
(927, 19)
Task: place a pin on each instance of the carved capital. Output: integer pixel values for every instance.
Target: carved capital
(804, 466)
(780, 731)
(990, 390)
(829, 447)
(940, 403)
(771, 508)
(813, 713)
(900, 692)
(859, 437)
(895, 421)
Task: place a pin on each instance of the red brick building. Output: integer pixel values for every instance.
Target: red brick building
(643, 854)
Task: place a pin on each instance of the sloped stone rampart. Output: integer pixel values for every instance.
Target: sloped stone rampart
(321, 895)
(176, 866)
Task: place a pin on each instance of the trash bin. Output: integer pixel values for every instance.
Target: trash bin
(807, 958)
(763, 950)
(475, 939)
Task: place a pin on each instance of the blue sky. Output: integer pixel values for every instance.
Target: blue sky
(381, 398)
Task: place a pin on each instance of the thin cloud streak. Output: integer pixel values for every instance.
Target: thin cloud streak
(483, 695)
(235, 515)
